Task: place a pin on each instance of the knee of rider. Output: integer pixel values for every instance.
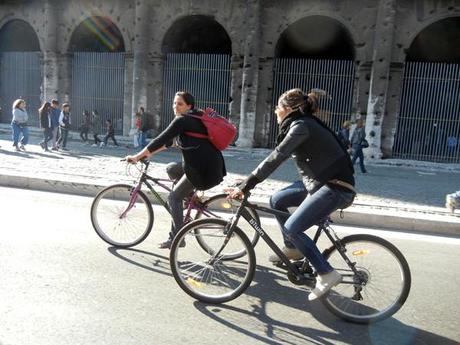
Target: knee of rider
(174, 170)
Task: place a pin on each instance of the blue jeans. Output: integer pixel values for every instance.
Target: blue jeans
(312, 209)
(17, 130)
(141, 139)
(290, 196)
(358, 153)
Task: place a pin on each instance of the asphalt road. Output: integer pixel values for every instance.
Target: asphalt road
(60, 284)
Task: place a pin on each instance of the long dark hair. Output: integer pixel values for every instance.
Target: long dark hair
(187, 97)
(45, 107)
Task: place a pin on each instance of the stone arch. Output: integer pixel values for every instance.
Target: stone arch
(96, 34)
(301, 39)
(439, 41)
(196, 34)
(18, 28)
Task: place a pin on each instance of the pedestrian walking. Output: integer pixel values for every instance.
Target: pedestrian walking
(55, 114)
(109, 134)
(143, 127)
(327, 181)
(44, 114)
(64, 126)
(453, 201)
(203, 164)
(85, 126)
(358, 142)
(344, 135)
(96, 127)
(19, 125)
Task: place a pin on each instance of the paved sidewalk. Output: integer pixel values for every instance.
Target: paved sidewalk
(396, 194)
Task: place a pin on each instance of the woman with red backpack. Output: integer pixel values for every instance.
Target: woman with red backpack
(202, 163)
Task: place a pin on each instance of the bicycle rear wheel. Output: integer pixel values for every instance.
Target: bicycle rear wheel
(116, 222)
(381, 286)
(202, 275)
(220, 206)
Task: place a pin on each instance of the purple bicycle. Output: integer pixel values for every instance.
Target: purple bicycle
(122, 214)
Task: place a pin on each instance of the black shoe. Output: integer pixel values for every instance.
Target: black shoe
(42, 145)
(167, 244)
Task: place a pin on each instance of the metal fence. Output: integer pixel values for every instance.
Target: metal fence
(20, 77)
(334, 76)
(98, 83)
(429, 118)
(206, 76)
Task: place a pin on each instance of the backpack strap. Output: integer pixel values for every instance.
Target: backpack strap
(196, 135)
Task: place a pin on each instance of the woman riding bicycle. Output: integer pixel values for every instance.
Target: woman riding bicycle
(327, 180)
(203, 164)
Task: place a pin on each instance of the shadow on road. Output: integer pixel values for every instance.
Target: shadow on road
(266, 290)
(141, 258)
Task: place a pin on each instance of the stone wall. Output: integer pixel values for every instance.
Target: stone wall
(381, 31)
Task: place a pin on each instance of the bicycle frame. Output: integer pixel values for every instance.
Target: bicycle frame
(192, 202)
(323, 226)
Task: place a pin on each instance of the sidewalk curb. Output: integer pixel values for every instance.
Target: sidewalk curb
(361, 215)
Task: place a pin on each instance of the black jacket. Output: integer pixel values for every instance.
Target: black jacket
(45, 121)
(204, 165)
(316, 151)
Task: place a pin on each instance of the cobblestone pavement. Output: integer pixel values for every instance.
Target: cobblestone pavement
(390, 184)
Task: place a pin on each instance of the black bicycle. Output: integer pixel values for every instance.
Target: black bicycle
(376, 278)
(122, 214)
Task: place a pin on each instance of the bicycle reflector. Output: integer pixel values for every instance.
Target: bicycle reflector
(226, 205)
(361, 252)
(192, 281)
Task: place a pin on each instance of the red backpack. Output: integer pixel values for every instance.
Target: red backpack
(221, 132)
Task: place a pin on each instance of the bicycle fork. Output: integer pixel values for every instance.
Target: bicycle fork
(132, 200)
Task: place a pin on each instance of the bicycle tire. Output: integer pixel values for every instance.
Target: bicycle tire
(201, 277)
(381, 265)
(107, 209)
(219, 206)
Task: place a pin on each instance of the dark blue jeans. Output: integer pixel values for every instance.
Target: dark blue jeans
(290, 196)
(312, 209)
(358, 153)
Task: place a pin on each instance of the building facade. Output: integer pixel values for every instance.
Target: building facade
(394, 63)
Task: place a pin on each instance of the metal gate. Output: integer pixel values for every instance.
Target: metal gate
(20, 77)
(206, 76)
(98, 84)
(334, 76)
(429, 117)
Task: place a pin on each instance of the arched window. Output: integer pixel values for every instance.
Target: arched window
(316, 37)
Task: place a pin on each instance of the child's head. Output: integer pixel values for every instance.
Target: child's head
(108, 122)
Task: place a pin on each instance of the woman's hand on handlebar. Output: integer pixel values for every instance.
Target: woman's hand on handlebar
(131, 159)
(234, 193)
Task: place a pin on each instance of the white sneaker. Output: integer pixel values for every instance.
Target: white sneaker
(291, 253)
(101, 145)
(94, 145)
(324, 283)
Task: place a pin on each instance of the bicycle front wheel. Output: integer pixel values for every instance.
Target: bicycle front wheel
(378, 290)
(220, 206)
(120, 218)
(204, 275)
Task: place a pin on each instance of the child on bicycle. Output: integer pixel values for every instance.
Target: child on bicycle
(327, 180)
(203, 164)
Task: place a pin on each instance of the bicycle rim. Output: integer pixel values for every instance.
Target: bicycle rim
(219, 206)
(118, 224)
(199, 273)
(382, 286)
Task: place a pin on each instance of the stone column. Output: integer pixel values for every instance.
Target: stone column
(141, 49)
(376, 108)
(128, 118)
(250, 76)
(236, 65)
(156, 96)
(50, 56)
